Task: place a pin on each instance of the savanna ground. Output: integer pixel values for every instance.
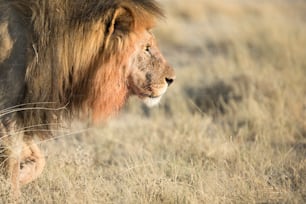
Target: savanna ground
(232, 128)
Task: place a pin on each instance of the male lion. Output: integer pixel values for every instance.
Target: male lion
(64, 58)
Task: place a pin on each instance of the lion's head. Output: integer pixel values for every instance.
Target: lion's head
(142, 71)
(130, 62)
(150, 75)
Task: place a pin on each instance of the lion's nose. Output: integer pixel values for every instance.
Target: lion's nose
(169, 80)
(169, 75)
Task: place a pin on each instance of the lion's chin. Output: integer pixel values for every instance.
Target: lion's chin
(152, 101)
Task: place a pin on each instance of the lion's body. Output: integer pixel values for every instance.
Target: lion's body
(65, 58)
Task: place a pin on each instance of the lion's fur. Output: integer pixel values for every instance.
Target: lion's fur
(65, 58)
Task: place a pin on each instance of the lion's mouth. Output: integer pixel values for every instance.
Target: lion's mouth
(145, 95)
(154, 93)
(152, 97)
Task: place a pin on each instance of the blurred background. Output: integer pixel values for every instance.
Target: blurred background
(231, 129)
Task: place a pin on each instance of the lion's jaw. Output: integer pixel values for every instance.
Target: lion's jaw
(150, 75)
(150, 102)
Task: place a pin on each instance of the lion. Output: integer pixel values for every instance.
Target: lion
(66, 59)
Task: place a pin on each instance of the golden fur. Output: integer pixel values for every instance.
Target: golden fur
(77, 58)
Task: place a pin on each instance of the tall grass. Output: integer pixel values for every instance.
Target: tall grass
(230, 130)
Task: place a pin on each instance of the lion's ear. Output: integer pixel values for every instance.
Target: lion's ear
(122, 23)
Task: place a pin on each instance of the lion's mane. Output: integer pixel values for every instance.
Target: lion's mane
(76, 55)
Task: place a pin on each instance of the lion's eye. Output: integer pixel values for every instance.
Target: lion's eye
(148, 48)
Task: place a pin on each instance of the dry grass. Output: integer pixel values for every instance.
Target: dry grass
(231, 129)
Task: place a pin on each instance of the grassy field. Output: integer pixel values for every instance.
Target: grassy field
(232, 128)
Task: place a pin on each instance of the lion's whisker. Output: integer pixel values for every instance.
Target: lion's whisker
(25, 104)
(32, 108)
